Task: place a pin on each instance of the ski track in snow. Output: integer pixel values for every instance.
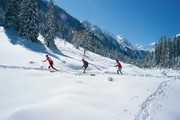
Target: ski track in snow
(41, 68)
(146, 108)
(21, 67)
(45, 69)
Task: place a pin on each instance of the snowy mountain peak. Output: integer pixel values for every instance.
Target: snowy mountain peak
(119, 37)
(177, 35)
(122, 40)
(149, 47)
(122, 45)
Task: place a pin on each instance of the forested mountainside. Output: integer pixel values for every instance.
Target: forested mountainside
(52, 21)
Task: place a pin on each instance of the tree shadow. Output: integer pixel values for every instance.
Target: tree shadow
(33, 46)
(57, 51)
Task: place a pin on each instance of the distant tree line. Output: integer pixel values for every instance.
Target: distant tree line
(167, 52)
(165, 55)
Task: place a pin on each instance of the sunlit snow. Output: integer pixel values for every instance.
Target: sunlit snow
(28, 91)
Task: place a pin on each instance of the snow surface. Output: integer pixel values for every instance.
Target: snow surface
(28, 91)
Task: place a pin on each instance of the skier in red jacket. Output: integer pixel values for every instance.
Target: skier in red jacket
(50, 62)
(119, 67)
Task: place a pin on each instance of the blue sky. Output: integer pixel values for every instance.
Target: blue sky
(140, 21)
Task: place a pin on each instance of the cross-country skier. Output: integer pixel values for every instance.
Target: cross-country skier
(50, 62)
(119, 67)
(85, 65)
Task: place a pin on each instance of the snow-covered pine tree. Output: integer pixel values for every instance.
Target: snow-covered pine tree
(176, 44)
(23, 20)
(29, 23)
(167, 52)
(152, 60)
(157, 53)
(87, 40)
(167, 63)
(49, 30)
(163, 51)
(11, 16)
(76, 39)
(2, 16)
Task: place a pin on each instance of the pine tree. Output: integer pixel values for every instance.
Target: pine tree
(167, 54)
(178, 44)
(171, 52)
(163, 51)
(152, 60)
(49, 31)
(86, 40)
(29, 24)
(2, 16)
(76, 39)
(177, 54)
(11, 17)
(157, 53)
(23, 19)
(176, 47)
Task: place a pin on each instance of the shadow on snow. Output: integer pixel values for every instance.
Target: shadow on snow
(34, 46)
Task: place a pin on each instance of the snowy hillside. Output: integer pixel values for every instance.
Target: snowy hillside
(28, 91)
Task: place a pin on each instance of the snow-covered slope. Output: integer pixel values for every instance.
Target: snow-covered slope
(28, 91)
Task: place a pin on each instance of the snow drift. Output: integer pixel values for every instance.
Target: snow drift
(28, 91)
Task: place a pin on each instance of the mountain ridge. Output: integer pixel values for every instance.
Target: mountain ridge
(118, 41)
